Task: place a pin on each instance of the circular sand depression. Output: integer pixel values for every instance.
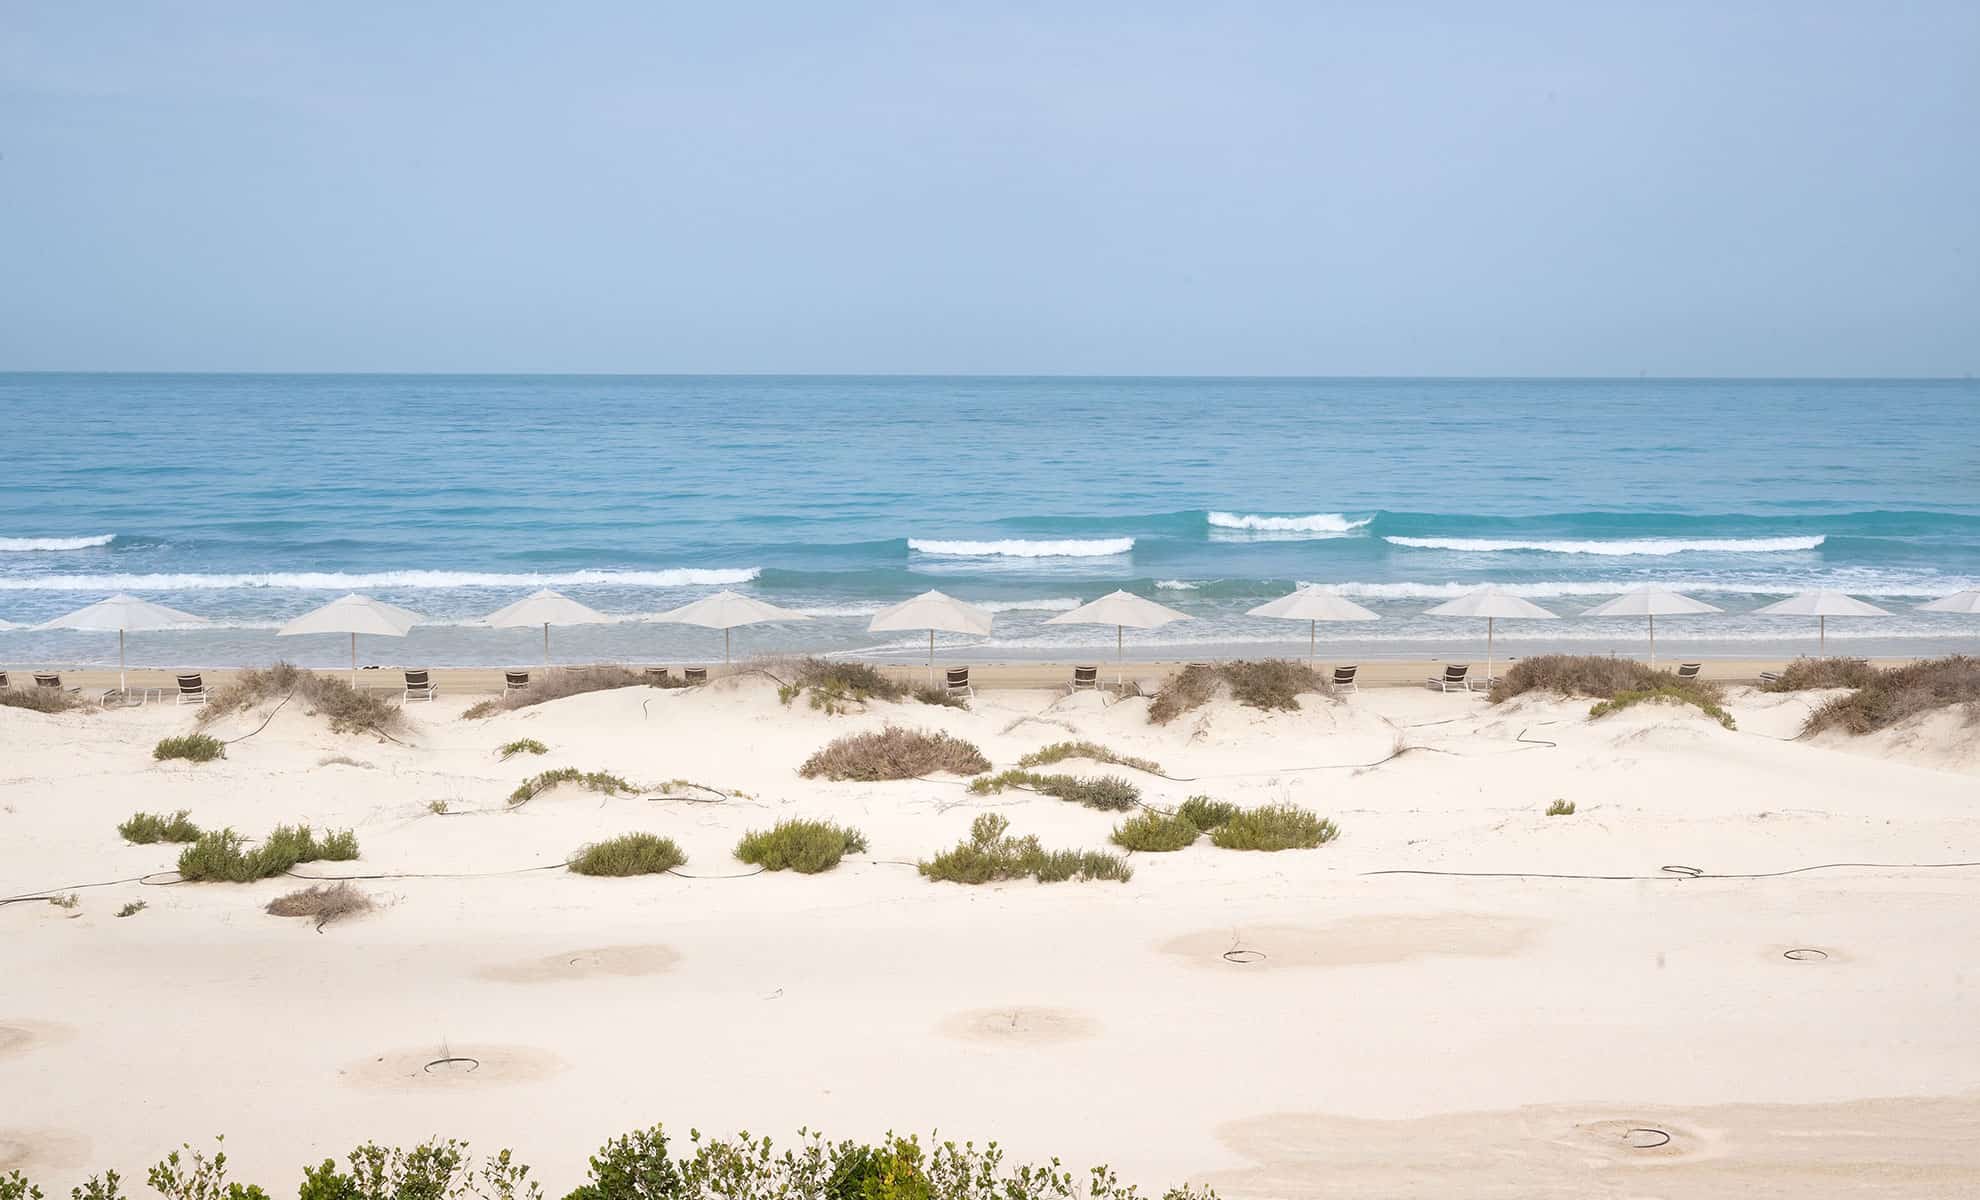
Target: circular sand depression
(600, 962)
(21, 1036)
(41, 1149)
(1356, 942)
(469, 1064)
(1020, 1025)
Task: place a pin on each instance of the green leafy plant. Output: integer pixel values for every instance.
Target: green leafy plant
(198, 1177)
(806, 847)
(103, 1187)
(1045, 756)
(1153, 832)
(146, 828)
(1107, 792)
(894, 753)
(988, 855)
(132, 909)
(15, 1186)
(224, 856)
(1663, 694)
(628, 854)
(522, 746)
(1274, 827)
(1561, 808)
(634, 1166)
(68, 900)
(592, 781)
(193, 747)
(1204, 813)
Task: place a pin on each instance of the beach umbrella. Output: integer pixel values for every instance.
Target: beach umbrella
(354, 614)
(1313, 605)
(1650, 603)
(1494, 605)
(545, 608)
(1967, 601)
(1822, 603)
(932, 610)
(725, 611)
(1123, 610)
(123, 614)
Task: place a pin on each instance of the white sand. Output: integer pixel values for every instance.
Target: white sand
(1404, 1035)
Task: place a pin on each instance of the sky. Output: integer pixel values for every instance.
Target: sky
(1145, 188)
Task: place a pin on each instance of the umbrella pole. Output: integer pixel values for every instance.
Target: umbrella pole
(931, 656)
(1312, 643)
(725, 647)
(1822, 634)
(546, 647)
(123, 684)
(1653, 641)
(354, 659)
(1488, 652)
(1120, 658)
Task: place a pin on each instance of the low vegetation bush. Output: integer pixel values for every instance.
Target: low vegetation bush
(132, 909)
(224, 856)
(1597, 676)
(1561, 808)
(570, 681)
(1272, 683)
(193, 747)
(322, 903)
(1108, 792)
(346, 708)
(509, 750)
(1274, 827)
(1153, 832)
(939, 695)
(1206, 814)
(146, 828)
(988, 855)
(894, 753)
(1045, 756)
(1804, 674)
(1893, 694)
(41, 699)
(628, 854)
(832, 685)
(591, 781)
(642, 1166)
(1667, 693)
(806, 847)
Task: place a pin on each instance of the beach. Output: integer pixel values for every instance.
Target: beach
(1291, 1023)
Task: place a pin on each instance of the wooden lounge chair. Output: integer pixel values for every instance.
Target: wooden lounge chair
(658, 675)
(1086, 679)
(55, 682)
(3, 679)
(514, 681)
(420, 686)
(1344, 679)
(1688, 670)
(959, 682)
(1454, 678)
(695, 674)
(1767, 677)
(192, 689)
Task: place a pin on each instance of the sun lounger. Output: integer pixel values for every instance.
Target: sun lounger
(1767, 677)
(695, 674)
(55, 682)
(192, 689)
(1453, 678)
(420, 686)
(658, 675)
(959, 682)
(3, 679)
(514, 681)
(1688, 670)
(1344, 679)
(1086, 678)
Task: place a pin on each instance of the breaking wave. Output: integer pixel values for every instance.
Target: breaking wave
(343, 581)
(30, 545)
(1619, 547)
(1024, 548)
(1315, 523)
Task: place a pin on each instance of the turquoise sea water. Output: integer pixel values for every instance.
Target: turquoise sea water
(249, 499)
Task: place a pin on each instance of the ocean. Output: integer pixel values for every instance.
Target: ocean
(251, 498)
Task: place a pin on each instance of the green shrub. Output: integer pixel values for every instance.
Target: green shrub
(71, 900)
(1045, 756)
(636, 1166)
(432, 1170)
(224, 856)
(15, 1186)
(988, 856)
(1274, 827)
(1106, 792)
(1804, 674)
(806, 847)
(1666, 694)
(1597, 676)
(146, 828)
(193, 747)
(522, 746)
(1561, 808)
(1152, 832)
(132, 909)
(1206, 814)
(628, 854)
(940, 696)
(1897, 693)
(198, 1178)
(591, 781)
(1273, 683)
(894, 753)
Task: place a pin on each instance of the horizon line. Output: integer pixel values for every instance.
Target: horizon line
(1640, 377)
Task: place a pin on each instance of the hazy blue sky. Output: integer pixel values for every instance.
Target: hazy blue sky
(1465, 188)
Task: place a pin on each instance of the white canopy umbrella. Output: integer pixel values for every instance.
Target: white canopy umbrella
(545, 608)
(725, 611)
(1822, 603)
(1313, 605)
(1651, 602)
(1493, 605)
(1122, 610)
(932, 610)
(1967, 601)
(123, 613)
(354, 614)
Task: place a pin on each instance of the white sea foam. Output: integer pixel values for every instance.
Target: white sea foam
(1177, 585)
(341, 581)
(1540, 589)
(30, 545)
(1024, 548)
(1046, 604)
(1317, 523)
(1619, 547)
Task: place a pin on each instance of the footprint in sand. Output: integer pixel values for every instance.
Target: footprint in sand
(1020, 1025)
(598, 963)
(1356, 942)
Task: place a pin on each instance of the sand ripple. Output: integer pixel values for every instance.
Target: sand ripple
(1358, 941)
(1020, 1025)
(455, 1065)
(21, 1036)
(600, 962)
